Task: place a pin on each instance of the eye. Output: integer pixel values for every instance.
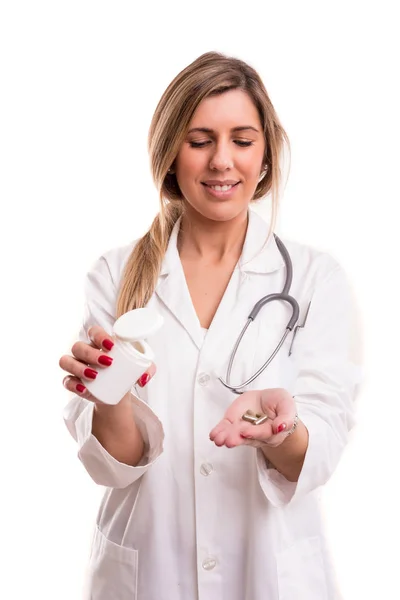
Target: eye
(241, 143)
(198, 144)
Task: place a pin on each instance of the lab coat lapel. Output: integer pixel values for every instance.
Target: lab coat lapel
(173, 291)
(258, 257)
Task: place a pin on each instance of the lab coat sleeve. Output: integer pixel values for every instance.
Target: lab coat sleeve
(328, 361)
(100, 302)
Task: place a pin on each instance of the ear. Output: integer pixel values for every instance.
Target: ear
(263, 172)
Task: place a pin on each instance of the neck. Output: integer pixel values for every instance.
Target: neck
(212, 241)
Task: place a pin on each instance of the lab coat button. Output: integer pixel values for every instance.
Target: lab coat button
(209, 564)
(206, 469)
(203, 379)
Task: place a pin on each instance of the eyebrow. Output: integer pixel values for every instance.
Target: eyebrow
(234, 129)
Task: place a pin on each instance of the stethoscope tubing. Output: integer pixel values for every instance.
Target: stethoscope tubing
(283, 296)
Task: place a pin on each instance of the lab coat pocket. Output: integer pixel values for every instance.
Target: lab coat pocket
(301, 571)
(113, 571)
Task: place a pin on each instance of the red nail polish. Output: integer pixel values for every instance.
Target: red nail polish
(144, 379)
(90, 373)
(281, 427)
(108, 344)
(105, 360)
(81, 388)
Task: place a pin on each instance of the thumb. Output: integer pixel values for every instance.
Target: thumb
(282, 423)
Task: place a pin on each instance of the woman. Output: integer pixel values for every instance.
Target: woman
(200, 502)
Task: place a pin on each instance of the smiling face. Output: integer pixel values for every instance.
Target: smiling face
(219, 163)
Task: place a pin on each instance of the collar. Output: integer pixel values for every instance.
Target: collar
(258, 254)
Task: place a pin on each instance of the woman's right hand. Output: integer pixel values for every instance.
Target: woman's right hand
(86, 359)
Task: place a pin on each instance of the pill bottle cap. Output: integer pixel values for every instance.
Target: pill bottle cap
(137, 324)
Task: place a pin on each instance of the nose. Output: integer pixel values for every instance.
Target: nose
(221, 158)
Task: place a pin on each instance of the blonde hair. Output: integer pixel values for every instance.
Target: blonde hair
(209, 75)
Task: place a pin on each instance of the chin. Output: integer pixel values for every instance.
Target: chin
(221, 211)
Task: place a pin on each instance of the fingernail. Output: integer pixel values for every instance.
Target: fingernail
(81, 388)
(105, 360)
(90, 373)
(108, 344)
(247, 436)
(144, 379)
(281, 427)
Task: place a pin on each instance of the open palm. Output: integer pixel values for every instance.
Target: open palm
(276, 403)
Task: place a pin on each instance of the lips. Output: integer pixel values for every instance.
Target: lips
(221, 182)
(221, 192)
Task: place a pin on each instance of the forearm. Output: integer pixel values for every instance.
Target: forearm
(116, 430)
(288, 458)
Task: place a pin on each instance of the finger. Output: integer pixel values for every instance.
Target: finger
(256, 432)
(222, 426)
(220, 438)
(145, 378)
(90, 355)
(283, 423)
(100, 337)
(274, 436)
(75, 367)
(75, 385)
(234, 438)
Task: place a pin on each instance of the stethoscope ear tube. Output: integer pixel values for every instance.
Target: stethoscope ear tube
(238, 389)
(286, 298)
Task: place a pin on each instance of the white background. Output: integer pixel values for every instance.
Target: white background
(79, 83)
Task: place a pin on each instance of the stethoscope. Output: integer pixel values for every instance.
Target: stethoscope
(284, 295)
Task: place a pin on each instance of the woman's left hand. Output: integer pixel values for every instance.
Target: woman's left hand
(276, 403)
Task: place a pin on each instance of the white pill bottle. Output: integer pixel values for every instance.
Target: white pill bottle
(131, 353)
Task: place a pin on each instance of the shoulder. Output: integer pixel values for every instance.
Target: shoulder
(320, 276)
(111, 263)
(312, 262)
(317, 273)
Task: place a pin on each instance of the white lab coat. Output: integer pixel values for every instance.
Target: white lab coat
(198, 522)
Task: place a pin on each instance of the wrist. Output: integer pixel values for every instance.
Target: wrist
(101, 408)
(294, 426)
(288, 457)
